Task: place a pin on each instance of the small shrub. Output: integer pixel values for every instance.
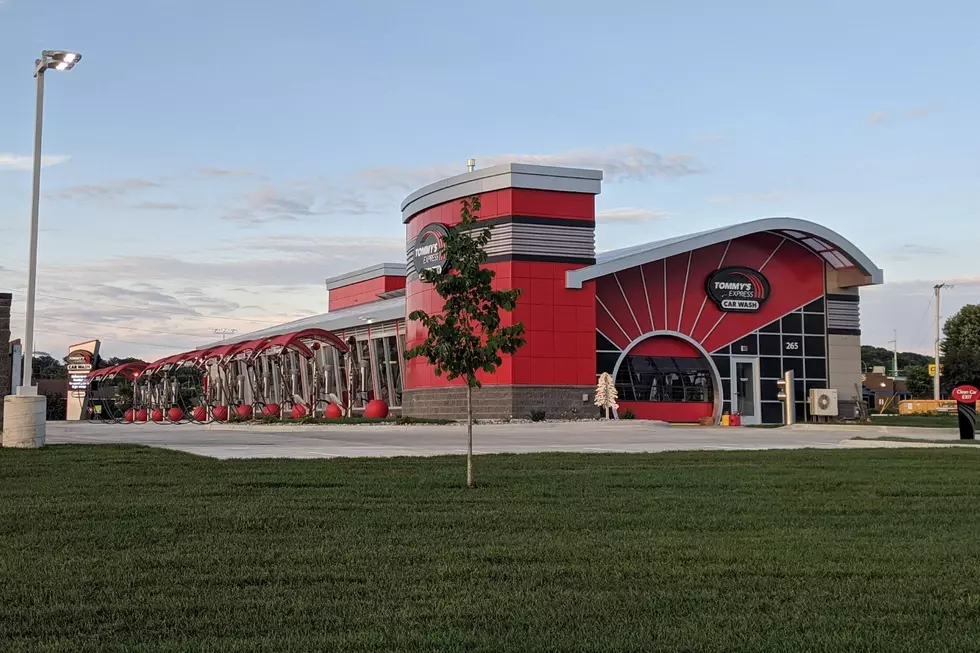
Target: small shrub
(537, 415)
(627, 414)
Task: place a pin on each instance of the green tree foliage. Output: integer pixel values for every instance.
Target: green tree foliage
(960, 348)
(48, 367)
(467, 336)
(874, 356)
(918, 381)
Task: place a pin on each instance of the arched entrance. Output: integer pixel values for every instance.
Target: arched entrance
(665, 375)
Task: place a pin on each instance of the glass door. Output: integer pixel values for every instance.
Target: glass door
(745, 389)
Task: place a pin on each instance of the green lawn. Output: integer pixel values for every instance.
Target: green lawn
(125, 548)
(918, 421)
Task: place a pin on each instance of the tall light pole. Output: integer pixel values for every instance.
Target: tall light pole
(935, 379)
(225, 332)
(57, 60)
(894, 344)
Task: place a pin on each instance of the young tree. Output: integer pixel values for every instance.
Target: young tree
(606, 393)
(960, 348)
(466, 336)
(918, 381)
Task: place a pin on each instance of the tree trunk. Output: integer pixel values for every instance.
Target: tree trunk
(469, 436)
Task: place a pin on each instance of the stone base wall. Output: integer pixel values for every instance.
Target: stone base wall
(5, 362)
(501, 402)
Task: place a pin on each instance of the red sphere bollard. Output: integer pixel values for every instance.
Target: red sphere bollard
(376, 409)
(220, 413)
(157, 415)
(200, 414)
(129, 415)
(244, 411)
(298, 412)
(141, 415)
(271, 410)
(333, 411)
(175, 414)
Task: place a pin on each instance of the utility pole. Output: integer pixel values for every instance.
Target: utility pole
(894, 343)
(225, 332)
(935, 379)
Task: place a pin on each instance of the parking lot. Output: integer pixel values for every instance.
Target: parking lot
(264, 441)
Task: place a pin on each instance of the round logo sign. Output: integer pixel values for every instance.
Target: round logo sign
(429, 253)
(737, 289)
(966, 394)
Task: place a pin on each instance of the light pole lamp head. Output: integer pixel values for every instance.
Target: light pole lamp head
(57, 60)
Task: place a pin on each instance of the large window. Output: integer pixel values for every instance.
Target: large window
(652, 378)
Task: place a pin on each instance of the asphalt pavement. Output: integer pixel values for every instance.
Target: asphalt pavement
(225, 441)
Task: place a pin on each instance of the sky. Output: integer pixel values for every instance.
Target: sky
(209, 163)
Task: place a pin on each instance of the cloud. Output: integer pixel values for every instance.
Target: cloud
(738, 198)
(21, 162)
(919, 112)
(882, 117)
(877, 118)
(111, 189)
(629, 214)
(306, 199)
(910, 251)
(160, 206)
(226, 172)
(622, 163)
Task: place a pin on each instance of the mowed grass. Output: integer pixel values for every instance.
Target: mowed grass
(133, 549)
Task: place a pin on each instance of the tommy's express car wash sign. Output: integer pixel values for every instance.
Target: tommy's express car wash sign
(429, 252)
(737, 290)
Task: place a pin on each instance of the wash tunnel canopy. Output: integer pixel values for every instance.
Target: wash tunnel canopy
(304, 342)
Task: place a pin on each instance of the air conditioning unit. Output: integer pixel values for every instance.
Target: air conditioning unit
(823, 402)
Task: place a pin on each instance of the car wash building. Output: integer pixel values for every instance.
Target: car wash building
(690, 327)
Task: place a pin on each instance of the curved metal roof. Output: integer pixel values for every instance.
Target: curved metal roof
(826, 243)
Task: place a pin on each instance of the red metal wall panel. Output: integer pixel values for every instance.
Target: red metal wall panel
(795, 274)
(559, 322)
(691, 412)
(363, 292)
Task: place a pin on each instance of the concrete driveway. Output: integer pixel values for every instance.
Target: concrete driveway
(264, 441)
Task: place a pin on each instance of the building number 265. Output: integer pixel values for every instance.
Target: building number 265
(792, 345)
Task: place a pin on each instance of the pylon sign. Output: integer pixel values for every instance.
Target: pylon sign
(966, 409)
(932, 369)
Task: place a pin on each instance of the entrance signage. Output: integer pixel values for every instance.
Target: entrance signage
(737, 289)
(966, 394)
(966, 409)
(429, 252)
(79, 363)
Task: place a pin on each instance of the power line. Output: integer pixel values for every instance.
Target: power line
(126, 342)
(106, 325)
(149, 310)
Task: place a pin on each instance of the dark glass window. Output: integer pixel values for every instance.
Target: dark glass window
(603, 344)
(605, 362)
(724, 365)
(769, 345)
(793, 346)
(793, 323)
(813, 324)
(768, 390)
(657, 378)
(799, 390)
(816, 306)
(747, 346)
(814, 346)
(795, 364)
(772, 327)
(815, 368)
(770, 367)
(772, 412)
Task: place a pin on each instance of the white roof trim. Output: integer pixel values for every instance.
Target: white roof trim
(634, 256)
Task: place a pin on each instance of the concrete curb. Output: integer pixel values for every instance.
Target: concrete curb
(898, 444)
(871, 428)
